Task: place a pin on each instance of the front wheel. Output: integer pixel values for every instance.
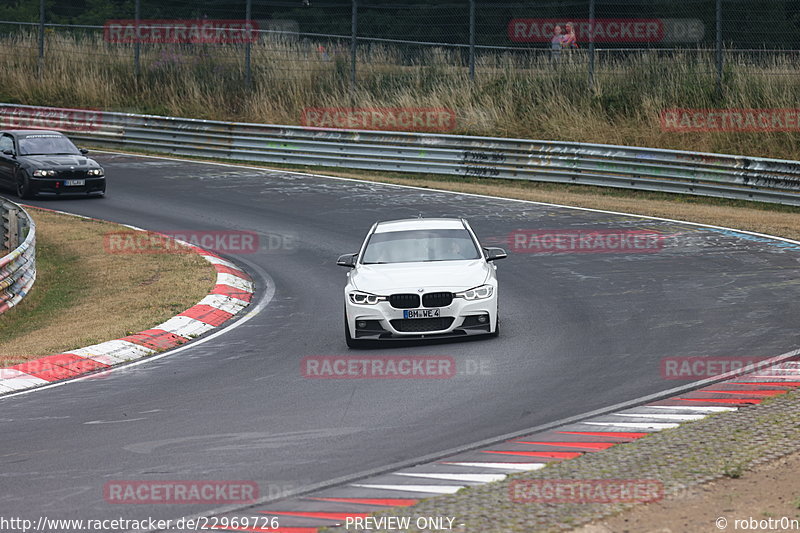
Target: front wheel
(24, 187)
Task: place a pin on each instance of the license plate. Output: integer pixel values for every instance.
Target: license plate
(74, 183)
(421, 313)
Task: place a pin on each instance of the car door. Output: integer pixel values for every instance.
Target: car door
(7, 162)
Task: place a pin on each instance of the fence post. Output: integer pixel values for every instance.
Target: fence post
(248, 74)
(719, 47)
(11, 223)
(41, 39)
(472, 40)
(353, 45)
(137, 15)
(4, 225)
(591, 44)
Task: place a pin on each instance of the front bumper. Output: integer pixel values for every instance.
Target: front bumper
(459, 319)
(55, 187)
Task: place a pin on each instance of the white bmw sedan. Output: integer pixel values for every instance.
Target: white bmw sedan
(420, 278)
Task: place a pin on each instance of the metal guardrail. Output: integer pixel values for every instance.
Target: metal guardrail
(645, 169)
(18, 267)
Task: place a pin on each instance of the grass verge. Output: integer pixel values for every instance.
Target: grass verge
(84, 295)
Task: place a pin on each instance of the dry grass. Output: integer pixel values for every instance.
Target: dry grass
(518, 96)
(84, 295)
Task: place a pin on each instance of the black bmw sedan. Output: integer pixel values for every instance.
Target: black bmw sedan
(40, 162)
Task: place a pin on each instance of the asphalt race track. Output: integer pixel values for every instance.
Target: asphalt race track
(579, 331)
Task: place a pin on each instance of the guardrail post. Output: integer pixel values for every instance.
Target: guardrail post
(11, 225)
(4, 225)
(472, 40)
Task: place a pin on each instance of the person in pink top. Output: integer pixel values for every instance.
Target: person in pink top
(570, 41)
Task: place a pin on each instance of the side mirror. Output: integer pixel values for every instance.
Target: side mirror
(8, 152)
(492, 254)
(84, 151)
(347, 260)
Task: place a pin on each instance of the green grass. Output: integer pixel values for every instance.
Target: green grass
(59, 282)
(86, 294)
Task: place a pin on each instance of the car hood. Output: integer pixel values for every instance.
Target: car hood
(452, 275)
(57, 162)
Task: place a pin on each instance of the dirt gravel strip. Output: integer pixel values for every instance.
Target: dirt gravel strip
(676, 460)
(232, 293)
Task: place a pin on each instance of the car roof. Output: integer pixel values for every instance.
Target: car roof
(419, 223)
(32, 132)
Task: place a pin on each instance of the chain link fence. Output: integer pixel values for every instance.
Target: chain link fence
(231, 38)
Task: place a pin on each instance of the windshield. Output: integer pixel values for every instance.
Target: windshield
(420, 245)
(46, 144)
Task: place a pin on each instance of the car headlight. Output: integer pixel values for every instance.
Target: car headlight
(478, 293)
(95, 172)
(364, 298)
(44, 173)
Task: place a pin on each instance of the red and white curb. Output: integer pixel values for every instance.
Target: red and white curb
(333, 506)
(232, 292)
